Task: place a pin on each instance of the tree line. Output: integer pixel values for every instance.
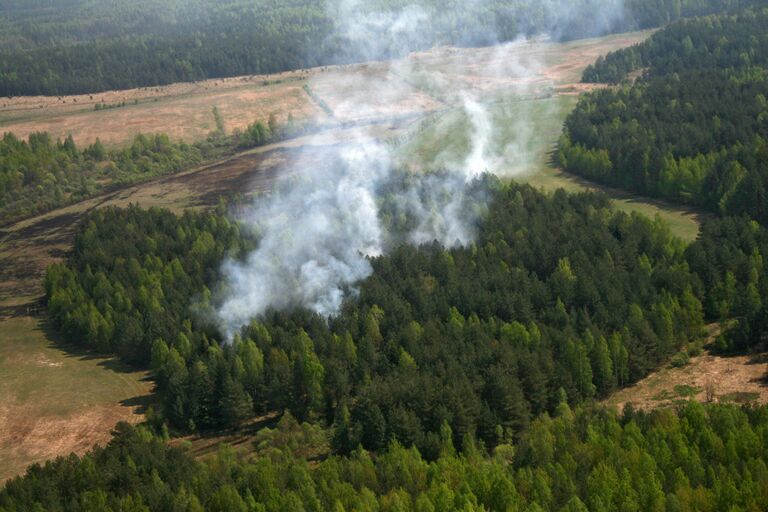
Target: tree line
(39, 174)
(694, 457)
(693, 129)
(729, 260)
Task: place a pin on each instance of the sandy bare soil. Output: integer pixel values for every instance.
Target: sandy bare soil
(734, 379)
(737, 379)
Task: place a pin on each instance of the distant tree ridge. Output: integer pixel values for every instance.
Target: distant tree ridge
(74, 46)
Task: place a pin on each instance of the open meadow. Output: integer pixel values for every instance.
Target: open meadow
(522, 148)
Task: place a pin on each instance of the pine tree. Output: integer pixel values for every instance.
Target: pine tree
(234, 403)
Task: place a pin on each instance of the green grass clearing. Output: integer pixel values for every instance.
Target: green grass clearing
(663, 395)
(686, 391)
(523, 136)
(57, 400)
(740, 397)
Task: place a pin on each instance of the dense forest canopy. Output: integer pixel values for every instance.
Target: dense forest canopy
(79, 46)
(703, 458)
(472, 348)
(483, 338)
(694, 128)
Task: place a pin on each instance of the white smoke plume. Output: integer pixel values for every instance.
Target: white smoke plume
(317, 235)
(321, 226)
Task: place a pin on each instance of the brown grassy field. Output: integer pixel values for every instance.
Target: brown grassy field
(183, 111)
(32, 360)
(380, 94)
(736, 379)
(733, 379)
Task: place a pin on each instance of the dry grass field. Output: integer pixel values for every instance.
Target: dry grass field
(184, 110)
(737, 379)
(707, 377)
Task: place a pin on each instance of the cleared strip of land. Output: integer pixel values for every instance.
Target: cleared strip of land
(184, 110)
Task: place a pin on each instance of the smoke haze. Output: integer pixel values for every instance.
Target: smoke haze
(320, 227)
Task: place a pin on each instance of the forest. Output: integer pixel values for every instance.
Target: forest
(77, 46)
(455, 379)
(39, 174)
(703, 458)
(463, 378)
(483, 338)
(476, 348)
(693, 128)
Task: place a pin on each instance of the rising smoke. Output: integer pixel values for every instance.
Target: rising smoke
(319, 228)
